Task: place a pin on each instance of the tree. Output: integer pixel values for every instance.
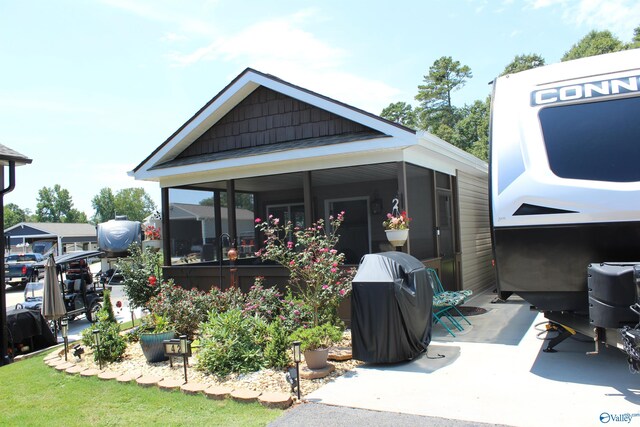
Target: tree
(13, 215)
(594, 43)
(400, 112)
(135, 203)
(445, 76)
(104, 205)
(243, 201)
(472, 130)
(635, 42)
(523, 62)
(55, 205)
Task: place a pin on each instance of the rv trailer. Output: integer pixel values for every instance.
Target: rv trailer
(565, 194)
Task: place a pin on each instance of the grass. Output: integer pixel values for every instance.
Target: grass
(33, 394)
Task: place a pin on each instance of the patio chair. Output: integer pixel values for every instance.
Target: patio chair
(446, 301)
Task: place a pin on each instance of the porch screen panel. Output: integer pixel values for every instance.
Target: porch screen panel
(245, 217)
(420, 204)
(192, 226)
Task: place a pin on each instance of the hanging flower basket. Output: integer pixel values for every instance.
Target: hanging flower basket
(397, 237)
(154, 245)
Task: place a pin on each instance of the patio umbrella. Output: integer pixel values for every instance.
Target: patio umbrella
(52, 302)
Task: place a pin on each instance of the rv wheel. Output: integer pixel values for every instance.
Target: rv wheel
(92, 313)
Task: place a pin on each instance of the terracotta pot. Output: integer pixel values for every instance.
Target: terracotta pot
(397, 237)
(316, 359)
(152, 347)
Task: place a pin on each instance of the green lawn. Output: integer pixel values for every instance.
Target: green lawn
(33, 394)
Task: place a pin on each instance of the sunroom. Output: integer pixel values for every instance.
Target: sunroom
(264, 147)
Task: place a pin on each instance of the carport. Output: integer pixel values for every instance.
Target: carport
(81, 236)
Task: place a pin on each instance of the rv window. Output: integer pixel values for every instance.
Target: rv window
(598, 141)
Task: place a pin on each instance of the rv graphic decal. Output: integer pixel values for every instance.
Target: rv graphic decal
(619, 86)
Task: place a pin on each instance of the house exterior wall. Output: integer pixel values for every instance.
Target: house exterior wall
(475, 232)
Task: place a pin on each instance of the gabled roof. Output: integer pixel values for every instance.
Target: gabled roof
(52, 229)
(164, 156)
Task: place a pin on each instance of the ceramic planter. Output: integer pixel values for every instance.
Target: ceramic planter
(397, 237)
(316, 359)
(155, 245)
(152, 347)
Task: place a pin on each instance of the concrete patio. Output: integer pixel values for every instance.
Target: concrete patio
(495, 372)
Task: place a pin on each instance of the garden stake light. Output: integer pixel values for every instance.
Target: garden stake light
(297, 357)
(64, 330)
(184, 349)
(96, 338)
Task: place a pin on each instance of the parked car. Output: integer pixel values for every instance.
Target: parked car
(19, 269)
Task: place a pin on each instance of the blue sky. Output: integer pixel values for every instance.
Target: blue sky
(90, 88)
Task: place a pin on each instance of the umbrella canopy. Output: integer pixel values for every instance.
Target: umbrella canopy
(53, 304)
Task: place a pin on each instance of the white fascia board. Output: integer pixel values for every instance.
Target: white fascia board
(291, 161)
(457, 158)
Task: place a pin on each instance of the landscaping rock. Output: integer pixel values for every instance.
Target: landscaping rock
(109, 375)
(90, 372)
(193, 388)
(218, 392)
(312, 374)
(55, 362)
(169, 385)
(53, 355)
(340, 354)
(126, 378)
(64, 366)
(148, 381)
(275, 400)
(75, 369)
(244, 395)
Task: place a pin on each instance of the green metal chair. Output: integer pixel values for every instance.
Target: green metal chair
(446, 301)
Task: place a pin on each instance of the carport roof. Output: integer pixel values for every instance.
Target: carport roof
(49, 229)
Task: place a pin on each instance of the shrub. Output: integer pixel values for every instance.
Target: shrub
(112, 345)
(142, 273)
(230, 299)
(315, 266)
(322, 336)
(295, 314)
(106, 313)
(261, 302)
(231, 342)
(276, 351)
(183, 309)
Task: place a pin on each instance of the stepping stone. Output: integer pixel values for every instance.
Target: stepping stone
(64, 366)
(109, 375)
(90, 372)
(75, 369)
(218, 392)
(340, 354)
(148, 381)
(55, 362)
(244, 395)
(127, 378)
(193, 388)
(169, 385)
(275, 400)
(53, 355)
(312, 374)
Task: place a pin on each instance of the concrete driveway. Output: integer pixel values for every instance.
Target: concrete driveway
(495, 372)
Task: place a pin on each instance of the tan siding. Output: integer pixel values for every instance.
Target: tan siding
(475, 232)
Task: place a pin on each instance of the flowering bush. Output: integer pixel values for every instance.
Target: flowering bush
(261, 302)
(183, 309)
(396, 222)
(315, 266)
(151, 232)
(141, 271)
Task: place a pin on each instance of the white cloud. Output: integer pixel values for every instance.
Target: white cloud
(618, 16)
(173, 37)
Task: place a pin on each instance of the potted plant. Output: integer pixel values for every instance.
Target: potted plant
(152, 236)
(152, 332)
(397, 228)
(315, 343)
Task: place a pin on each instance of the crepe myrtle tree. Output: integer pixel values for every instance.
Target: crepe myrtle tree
(315, 267)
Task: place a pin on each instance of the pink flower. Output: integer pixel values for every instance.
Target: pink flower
(292, 263)
(342, 292)
(335, 264)
(289, 244)
(258, 221)
(276, 221)
(333, 270)
(325, 286)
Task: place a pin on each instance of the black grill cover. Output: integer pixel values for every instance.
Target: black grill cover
(391, 306)
(29, 327)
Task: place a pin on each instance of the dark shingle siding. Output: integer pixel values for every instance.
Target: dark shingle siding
(267, 117)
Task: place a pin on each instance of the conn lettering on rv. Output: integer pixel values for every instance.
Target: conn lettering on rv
(587, 90)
